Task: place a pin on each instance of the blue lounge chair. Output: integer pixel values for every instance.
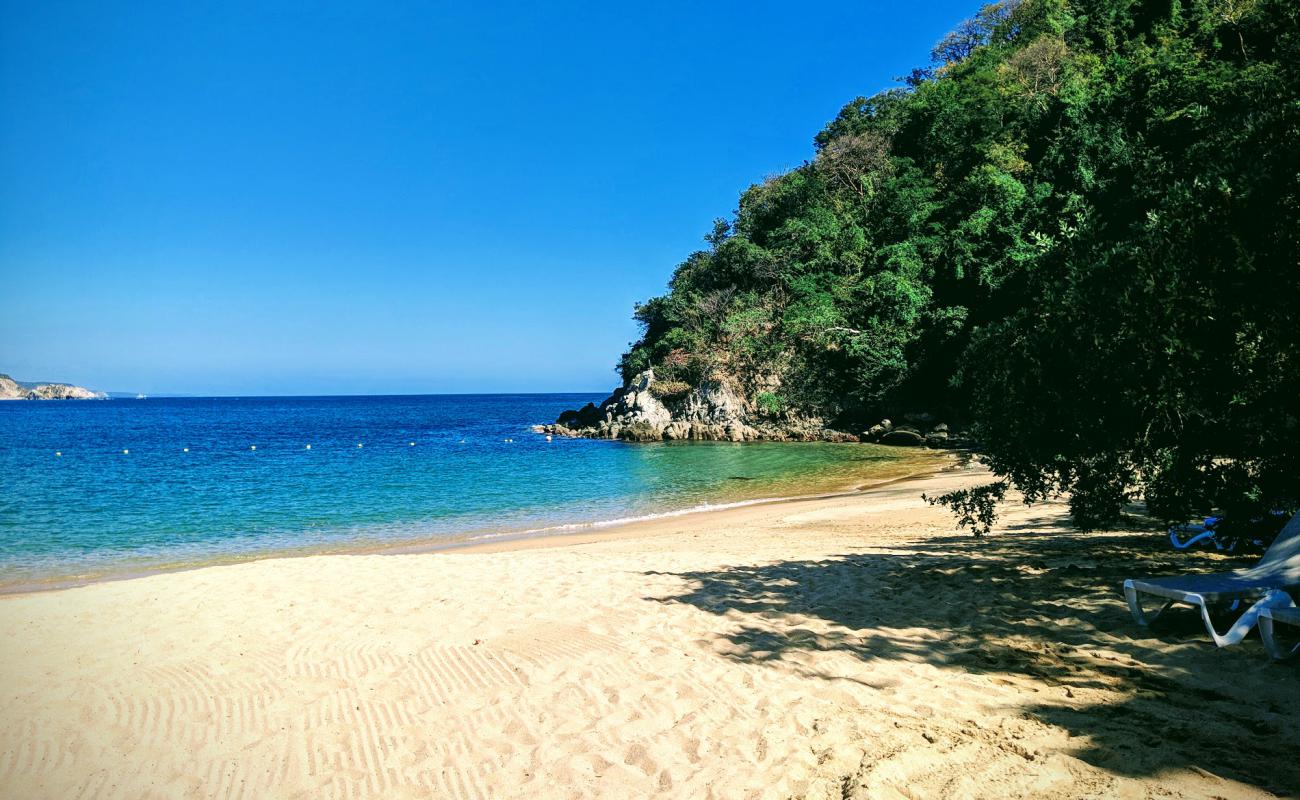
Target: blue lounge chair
(1212, 532)
(1184, 537)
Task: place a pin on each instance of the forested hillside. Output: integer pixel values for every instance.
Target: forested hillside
(1077, 229)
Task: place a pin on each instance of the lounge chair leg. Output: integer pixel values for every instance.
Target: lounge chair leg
(1274, 647)
(1239, 629)
(1135, 606)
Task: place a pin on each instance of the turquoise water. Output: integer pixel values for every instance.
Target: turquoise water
(144, 484)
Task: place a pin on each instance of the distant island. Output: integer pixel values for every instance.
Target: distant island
(11, 389)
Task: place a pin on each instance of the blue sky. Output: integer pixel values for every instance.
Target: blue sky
(261, 198)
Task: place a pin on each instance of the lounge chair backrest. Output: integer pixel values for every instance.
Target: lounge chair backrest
(1280, 566)
(1286, 546)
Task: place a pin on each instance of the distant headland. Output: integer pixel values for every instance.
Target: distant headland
(11, 389)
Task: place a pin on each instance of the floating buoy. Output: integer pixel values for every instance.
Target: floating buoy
(358, 444)
(185, 449)
(412, 444)
(252, 447)
(308, 447)
(125, 452)
(58, 452)
(548, 437)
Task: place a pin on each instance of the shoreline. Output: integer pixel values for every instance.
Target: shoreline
(487, 540)
(647, 525)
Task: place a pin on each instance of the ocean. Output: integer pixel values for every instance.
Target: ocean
(100, 488)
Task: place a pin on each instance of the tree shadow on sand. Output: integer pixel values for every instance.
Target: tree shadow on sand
(1042, 604)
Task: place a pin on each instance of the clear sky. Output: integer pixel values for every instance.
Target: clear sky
(300, 198)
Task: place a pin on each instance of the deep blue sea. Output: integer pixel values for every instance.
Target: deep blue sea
(94, 488)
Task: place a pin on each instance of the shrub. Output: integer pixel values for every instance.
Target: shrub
(769, 404)
(669, 390)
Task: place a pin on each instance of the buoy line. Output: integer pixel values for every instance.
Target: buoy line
(253, 447)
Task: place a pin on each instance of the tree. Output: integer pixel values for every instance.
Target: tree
(1155, 349)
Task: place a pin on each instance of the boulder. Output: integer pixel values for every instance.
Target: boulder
(903, 438)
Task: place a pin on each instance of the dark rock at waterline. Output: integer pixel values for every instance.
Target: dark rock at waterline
(589, 415)
(584, 417)
(936, 438)
(901, 437)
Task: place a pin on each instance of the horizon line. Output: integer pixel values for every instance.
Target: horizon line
(179, 396)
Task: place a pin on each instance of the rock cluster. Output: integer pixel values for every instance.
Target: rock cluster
(713, 411)
(916, 430)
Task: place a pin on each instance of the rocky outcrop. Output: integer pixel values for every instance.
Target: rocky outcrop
(11, 389)
(637, 413)
(710, 411)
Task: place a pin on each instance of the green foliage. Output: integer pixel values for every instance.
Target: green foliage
(1152, 347)
(1080, 227)
(975, 508)
(769, 403)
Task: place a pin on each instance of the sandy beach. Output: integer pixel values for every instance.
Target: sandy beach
(845, 647)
